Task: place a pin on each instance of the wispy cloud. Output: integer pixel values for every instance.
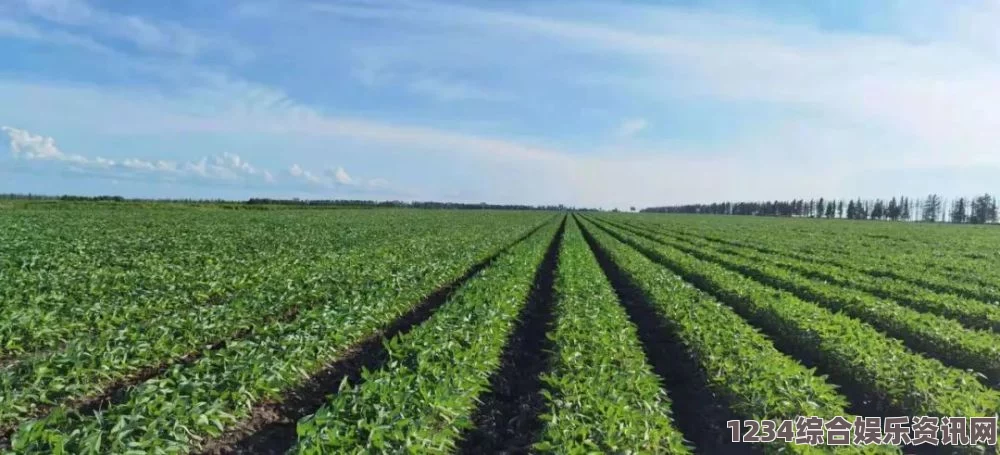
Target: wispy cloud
(375, 72)
(240, 108)
(147, 35)
(631, 127)
(934, 91)
(24, 31)
(937, 93)
(444, 89)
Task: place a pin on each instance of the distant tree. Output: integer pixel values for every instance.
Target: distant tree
(632, 208)
(820, 207)
(932, 207)
(861, 209)
(904, 208)
(831, 209)
(958, 211)
(892, 211)
(878, 210)
(983, 210)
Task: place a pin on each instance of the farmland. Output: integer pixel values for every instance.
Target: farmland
(177, 329)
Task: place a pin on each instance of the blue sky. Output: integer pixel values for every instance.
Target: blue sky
(590, 103)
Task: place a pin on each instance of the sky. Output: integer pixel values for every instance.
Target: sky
(586, 103)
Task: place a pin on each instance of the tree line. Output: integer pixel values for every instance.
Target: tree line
(315, 203)
(934, 208)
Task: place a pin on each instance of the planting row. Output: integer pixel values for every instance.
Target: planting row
(971, 313)
(345, 301)
(115, 271)
(852, 352)
(602, 396)
(945, 266)
(424, 397)
(740, 364)
(937, 336)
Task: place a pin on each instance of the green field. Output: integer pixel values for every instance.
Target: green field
(175, 329)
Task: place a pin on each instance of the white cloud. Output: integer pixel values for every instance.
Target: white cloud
(228, 166)
(168, 166)
(233, 161)
(340, 175)
(32, 147)
(136, 164)
(334, 178)
(631, 127)
(199, 168)
(232, 166)
(298, 172)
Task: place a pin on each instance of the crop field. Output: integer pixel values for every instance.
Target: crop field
(177, 329)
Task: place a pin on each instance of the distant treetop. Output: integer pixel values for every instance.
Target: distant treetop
(978, 210)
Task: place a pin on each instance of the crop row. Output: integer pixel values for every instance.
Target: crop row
(91, 364)
(356, 297)
(739, 363)
(105, 281)
(930, 268)
(602, 396)
(940, 337)
(852, 352)
(424, 397)
(971, 313)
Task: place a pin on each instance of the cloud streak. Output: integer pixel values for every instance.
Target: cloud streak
(631, 127)
(233, 107)
(375, 72)
(146, 35)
